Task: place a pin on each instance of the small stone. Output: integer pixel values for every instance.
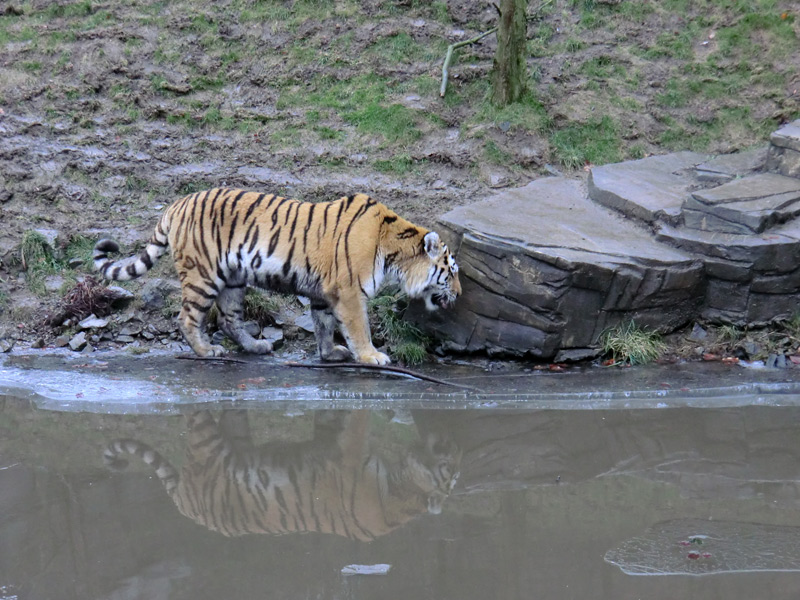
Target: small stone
(121, 295)
(131, 330)
(38, 344)
(124, 339)
(751, 348)
(156, 291)
(6, 345)
(93, 322)
(305, 322)
(698, 334)
(148, 335)
(274, 336)
(61, 341)
(772, 361)
(252, 328)
(78, 342)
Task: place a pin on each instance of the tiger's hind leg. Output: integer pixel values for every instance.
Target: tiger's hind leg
(324, 328)
(231, 309)
(192, 321)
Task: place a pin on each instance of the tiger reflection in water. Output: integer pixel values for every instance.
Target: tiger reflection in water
(331, 484)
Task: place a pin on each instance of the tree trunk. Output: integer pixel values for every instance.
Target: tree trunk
(509, 73)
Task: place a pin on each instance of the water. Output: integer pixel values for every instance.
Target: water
(558, 495)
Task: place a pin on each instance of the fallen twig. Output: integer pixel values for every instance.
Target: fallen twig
(449, 56)
(226, 359)
(380, 368)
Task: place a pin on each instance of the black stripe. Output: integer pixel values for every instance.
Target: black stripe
(198, 290)
(253, 206)
(145, 258)
(308, 225)
(236, 199)
(288, 213)
(288, 264)
(360, 213)
(341, 210)
(390, 219)
(202, 308)
(407, 233)
(273, 242)
(254, 241)
(324, 229)
(294, 222)
(131, 269)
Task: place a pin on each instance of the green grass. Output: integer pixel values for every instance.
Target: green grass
(399, 164)
(38, 261)
(406, 343)
(629, 344)
(597, 142)
(394, 123)
(261, 306)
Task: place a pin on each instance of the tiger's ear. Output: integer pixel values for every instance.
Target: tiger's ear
(433, 245)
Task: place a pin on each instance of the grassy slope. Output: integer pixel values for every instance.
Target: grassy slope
(609, 82)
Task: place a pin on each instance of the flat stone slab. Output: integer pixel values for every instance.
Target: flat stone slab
(544, 269)
(749, 205)
(726, 167)
(787, 136)
(649, 189)
(784, 151)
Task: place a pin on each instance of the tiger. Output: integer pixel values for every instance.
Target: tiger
(335, 253)
(332, 484)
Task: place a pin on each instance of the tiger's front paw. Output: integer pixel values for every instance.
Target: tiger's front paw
(374, 358)
(211, 351)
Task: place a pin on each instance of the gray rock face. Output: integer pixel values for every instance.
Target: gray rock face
(536, 282)
(661, 241)
(784, 151)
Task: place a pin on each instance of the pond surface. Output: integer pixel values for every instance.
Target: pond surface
(241, 492)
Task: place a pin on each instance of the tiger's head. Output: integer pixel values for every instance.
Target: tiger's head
(435, 470)
(433, 278)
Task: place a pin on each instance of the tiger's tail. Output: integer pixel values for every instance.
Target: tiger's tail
(132, 266)
(165, 472)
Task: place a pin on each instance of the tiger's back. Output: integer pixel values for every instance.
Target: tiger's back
(336, 253)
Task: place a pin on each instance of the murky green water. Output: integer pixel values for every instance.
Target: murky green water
(547, 503)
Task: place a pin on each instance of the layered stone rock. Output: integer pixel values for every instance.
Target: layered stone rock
(660, 241)
(546, 270)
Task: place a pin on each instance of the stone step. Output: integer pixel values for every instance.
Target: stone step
(777, 251)
(651, 189)
(784, 151)
(744, 206)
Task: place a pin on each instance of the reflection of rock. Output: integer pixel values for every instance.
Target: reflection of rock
(704, 454)
(331, 484)
(702, 547)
